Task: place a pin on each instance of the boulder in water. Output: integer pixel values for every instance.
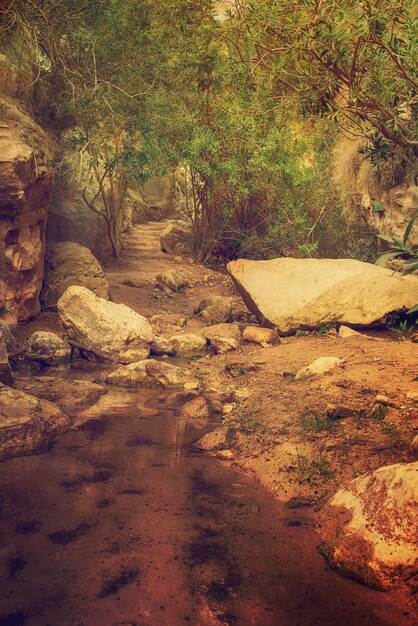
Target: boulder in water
(27, 424)
(105, 329)
(47, 348)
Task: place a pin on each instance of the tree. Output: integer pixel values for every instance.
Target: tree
(353, 62)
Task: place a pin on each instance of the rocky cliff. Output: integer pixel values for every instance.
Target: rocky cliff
(25, 187)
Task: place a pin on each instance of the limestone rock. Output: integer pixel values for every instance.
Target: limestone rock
(171, 280)
(344, 332)
(103, 328)
(25, 188)
(222, 337)
(27, 424)
(66, 264)
(6, 333)
(189, 344)
(168, 321)
(256, 334)
(161, 346)
(148, 373)
(291, 294)
(370, 529)
(215, 309)
(69, 394)
(47, 348)
(6, 376)
(320, 366)
(175, 239)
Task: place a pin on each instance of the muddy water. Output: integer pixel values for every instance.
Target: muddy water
(124, 522)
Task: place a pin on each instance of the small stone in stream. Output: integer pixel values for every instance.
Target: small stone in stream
(133, 356)
(263, 336)
(8, 337)
(27, 424)
(215, 309)
(197, 408)
(222, 337)
(215, 440)
(318, 367)
(149, 372)
(47, 348)
(188, 345)
(172, 280)
(6, 376)
(161, 346)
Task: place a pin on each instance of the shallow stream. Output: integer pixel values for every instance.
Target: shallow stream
(125, 522)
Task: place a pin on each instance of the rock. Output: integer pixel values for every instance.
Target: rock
(148, 373)
(6, 376)
(6, 333)
(188, 344)
(69, 395)
(105, 329)
(320, 366)
(344, 332)
(161, 346)
(167, 321)
(215, 310)
(66, 264)
(176, 238)
(414, 445)
(25, 187)
(222, 337)
(291, 294)
(47, 348)
(215, 440)
(196, 409)
(172, 280)
(27, 424)
(256, 334)
(370, 528)
(225, 455)
(134, 355)
(240, 313)
(229, 408)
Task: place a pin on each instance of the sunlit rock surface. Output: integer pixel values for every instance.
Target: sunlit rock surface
(105, 329)
(370, 528)
(291, 294)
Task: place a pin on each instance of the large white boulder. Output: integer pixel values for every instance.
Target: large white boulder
(108, 330)
(292, 294)
(370, 529)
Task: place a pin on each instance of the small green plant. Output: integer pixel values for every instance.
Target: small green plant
(309, 471)
(378, 412)
(325, 329)
(402, 326)
(314, 422)
(391, 430)
(248, 423)
(401, 249)
(230, 436)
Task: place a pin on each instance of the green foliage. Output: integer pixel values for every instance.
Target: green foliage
(314, 422)
(312, 470)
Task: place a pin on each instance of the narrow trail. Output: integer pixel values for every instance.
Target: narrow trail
(124, 522)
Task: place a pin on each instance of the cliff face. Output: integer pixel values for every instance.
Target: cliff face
(386, 207)
(25, 187)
